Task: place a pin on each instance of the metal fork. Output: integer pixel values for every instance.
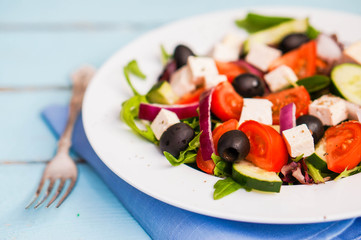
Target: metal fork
(62, 167)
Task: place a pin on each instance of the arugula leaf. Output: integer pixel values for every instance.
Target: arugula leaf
(225, 187)
(314, 83)
(347, 173)
(255, 22)
(312, 32)
(133, 68)
(298, 158)
(129, 113)
(193, 123)
(187, 156)
(222, 168)
(315, 173)
(165, 56)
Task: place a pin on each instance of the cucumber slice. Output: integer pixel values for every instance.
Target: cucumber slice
(274, 35)
(253, 177)
(318, 158)
(162, 93)
(347, 81)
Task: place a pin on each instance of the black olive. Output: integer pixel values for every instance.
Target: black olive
(293, 41)
(233, 146)
(176, 138)
(248, 85)
(314, 125)
(181, 54)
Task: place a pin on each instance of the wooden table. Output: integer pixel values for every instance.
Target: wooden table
(41, 42)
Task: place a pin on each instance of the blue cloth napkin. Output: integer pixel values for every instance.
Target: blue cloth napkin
(163, 221)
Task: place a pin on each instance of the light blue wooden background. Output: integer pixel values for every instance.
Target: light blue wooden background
(41, 42)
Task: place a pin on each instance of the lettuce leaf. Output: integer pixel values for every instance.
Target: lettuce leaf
(222, 168)
(347, 173)
(133, 68)
(165, 56)
(255, 22)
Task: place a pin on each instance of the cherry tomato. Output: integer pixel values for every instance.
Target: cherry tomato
(343, 146)
(230, 69)
(217, 133)
(191, 97)
(226, 102)
(302, 60)
(299, 96)
(268, 150)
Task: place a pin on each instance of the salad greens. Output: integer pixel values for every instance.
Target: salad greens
(315, 173)
(133, 68)
(314, 83)
(253, 23)
(222, 168)
(187, 156)
(225, 187)
(165, 55)
(347, 173)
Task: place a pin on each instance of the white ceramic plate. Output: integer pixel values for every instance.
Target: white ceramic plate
(141, 164)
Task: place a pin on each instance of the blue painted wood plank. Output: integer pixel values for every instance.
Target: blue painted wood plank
(47, 58)
(24, 135)
(136, 11)
(90, 212)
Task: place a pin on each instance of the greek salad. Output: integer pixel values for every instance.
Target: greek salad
(281, 106)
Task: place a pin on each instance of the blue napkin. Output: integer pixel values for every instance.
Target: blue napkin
(163, 221)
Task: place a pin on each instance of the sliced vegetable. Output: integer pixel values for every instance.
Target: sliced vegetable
(129, 113)
(252, 177)
(299, 96)
(226, 103)
(347, 80)
(225, 187)
(161, 93)
(343, 145)
(288, 117)
(315, 173)
(262, 139)
(302, 60)
(318, 158)
(275, 34)
(206, 163)
(149, 111)
(230, 69)
(191, 97)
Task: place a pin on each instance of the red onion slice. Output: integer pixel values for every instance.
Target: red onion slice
(206, 140)
(149, 111)
(287, 117)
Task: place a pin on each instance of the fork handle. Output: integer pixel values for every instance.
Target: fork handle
(80, 83)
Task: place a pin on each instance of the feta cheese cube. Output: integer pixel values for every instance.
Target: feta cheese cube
(163, 121)
(259, 110)
(329, 109)
(233, 40)
(200, 67)
(299, 141)
(213, 80)
(261, 56)
(354, 52)
(225, 53)
(280, 78)
(181, 81)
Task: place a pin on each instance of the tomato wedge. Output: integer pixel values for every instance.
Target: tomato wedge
(230, 69)
(302, 60)
(268, 150)
(343, 145)
(298, 95)
(208, 166)
(226, 102)
(217, 133)
(191, 97)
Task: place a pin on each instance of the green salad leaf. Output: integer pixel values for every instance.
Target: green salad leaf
(315, 173)
(298, 158)
(225, 187)
(312, 32)
(165, 55)
(129, 113)
(347, 173)
(314, 83)
(255, 22)
(133, 68)
(193, 123)
(187, 156)
(222, 168)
